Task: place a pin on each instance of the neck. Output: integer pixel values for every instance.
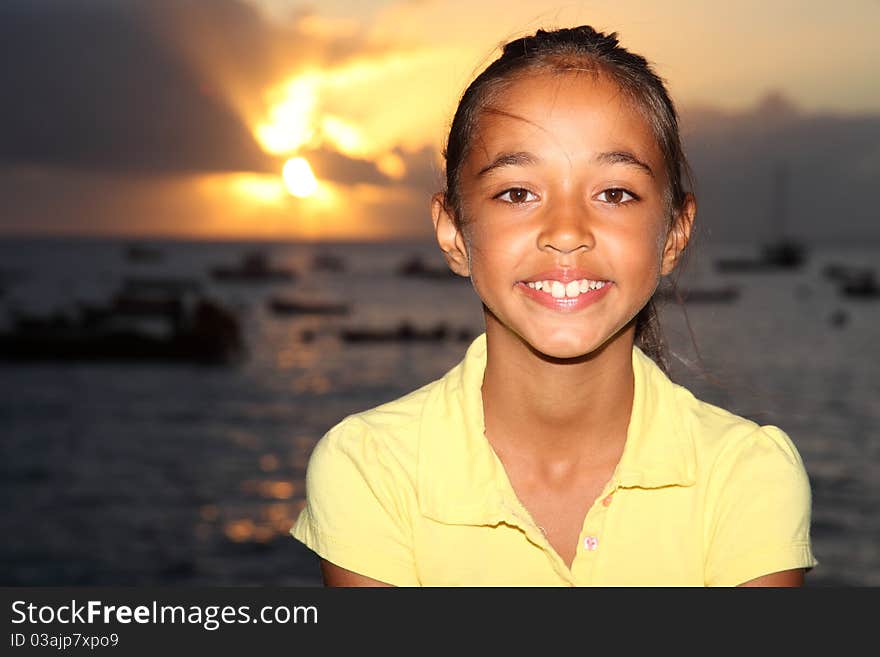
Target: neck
(555, 411)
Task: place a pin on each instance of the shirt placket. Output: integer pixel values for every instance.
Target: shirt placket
(591, 540)
(520, 517)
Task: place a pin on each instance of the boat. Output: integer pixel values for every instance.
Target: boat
(254, 268)
(328, 262)
(838, 318)
(853, 281)
(724, 294)
(417, 268)
(861, 285)
(779, 255)
(782, 252)
(146, 320)
(282, 306)
(143, 253)
(839, 273)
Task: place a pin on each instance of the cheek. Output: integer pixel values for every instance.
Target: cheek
(498, 241)
(637, 251)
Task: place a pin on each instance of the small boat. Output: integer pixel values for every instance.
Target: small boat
(780, 255)
(782, 252)
(165, 299)
(328, 262)
(726, 294)
(254, 268)
(417, 268)
(861, 285)
(840, 273)
(406, 332)
(281, 306)
(838, 318)
(853, 281)
(143, 253)
(147, 320)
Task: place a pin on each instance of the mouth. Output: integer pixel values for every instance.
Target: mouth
(566, 290)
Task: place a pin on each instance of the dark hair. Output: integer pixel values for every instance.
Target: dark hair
(578, 49)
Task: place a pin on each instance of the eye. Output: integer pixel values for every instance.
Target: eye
(616, 196)
(516, 195)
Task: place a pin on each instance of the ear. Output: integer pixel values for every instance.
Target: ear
(679, 235)
(449, 237)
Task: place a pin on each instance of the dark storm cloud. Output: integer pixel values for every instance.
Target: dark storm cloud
(832, 164)
(91, 85)
(331, 165)
(137, 86)
(422, 170)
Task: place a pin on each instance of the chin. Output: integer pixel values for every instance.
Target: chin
(567, 347)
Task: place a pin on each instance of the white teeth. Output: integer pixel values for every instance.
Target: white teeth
(559, 290)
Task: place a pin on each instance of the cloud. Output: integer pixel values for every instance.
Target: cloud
(331, 165)
(101, 88)
(92, 86)
(424, 169)
(161, 86)
(147, 86)
(831, 162)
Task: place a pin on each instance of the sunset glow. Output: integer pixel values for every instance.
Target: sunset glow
(298, 177)
(347, 138)
(260, 188)
(290, 124)
(365, 92)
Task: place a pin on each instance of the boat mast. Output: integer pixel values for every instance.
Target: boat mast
(780, 201)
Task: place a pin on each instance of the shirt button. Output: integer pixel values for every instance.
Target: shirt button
(591, 543)
(607, 501)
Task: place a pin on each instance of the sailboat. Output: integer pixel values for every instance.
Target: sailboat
(781, 253)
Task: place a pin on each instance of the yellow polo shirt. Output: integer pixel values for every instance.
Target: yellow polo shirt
(411, 493)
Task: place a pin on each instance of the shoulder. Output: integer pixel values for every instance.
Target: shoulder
(379, 441)
(721, 437)
(755, 494)
(361, 491)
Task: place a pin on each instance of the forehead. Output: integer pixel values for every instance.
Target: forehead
(572, 114)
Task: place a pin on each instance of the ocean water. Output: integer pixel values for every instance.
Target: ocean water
(192, 474)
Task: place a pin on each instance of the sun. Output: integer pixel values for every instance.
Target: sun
(298, 177)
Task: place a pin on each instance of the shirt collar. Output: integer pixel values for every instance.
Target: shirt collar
(461, 480)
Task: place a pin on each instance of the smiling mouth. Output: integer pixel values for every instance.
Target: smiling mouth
(570, 290)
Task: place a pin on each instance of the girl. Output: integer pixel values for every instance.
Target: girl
(558, 452)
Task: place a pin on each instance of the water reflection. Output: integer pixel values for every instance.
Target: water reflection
(272, 522)
(191, 475)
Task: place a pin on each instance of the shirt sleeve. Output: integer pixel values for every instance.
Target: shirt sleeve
(357, 509)
(758, 510)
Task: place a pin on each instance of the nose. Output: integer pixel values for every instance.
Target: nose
(565, 228)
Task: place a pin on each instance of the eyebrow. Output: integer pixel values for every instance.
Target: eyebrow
(520, 158)
(524, 158)
(623, 157)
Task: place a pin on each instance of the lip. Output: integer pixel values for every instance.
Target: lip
(565, 304)
(563, 275)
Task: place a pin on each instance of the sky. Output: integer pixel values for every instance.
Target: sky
(176, 119)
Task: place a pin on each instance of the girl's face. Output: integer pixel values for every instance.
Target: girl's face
(565, 226)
